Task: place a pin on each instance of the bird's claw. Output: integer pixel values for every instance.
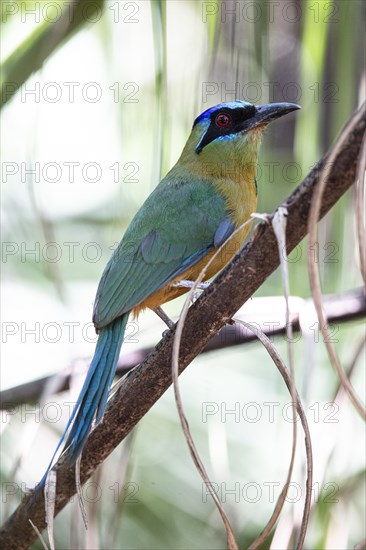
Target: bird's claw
(261, 216)
(190, 284)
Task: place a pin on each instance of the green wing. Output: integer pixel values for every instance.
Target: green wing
(175, 227)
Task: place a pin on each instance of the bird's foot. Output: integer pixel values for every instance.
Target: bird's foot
(190, 284)
(261, 216)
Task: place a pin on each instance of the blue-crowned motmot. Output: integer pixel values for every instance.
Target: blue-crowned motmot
(208, 193)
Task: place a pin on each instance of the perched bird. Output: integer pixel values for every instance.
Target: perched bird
(208, 194)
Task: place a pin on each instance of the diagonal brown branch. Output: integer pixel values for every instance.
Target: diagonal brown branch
(145, 384)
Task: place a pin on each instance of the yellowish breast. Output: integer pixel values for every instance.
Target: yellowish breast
(241, 199)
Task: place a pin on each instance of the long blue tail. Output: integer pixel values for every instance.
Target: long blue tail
(94, 393)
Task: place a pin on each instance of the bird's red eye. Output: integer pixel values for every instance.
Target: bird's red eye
(223, 120)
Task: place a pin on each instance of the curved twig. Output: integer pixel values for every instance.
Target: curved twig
(39, 534)
(360, 209)
(314, 276)
(309, 455)
(279, 228)
(231, 542)
(340, 391)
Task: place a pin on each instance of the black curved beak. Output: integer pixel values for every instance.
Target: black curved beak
(267, 113)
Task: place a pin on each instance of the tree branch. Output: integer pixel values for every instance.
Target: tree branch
(145, 384)
(339, 308)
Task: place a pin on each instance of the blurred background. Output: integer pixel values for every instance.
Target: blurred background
(98, 99)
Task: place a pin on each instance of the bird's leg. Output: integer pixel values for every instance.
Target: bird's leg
(164, 317)
(185, 284)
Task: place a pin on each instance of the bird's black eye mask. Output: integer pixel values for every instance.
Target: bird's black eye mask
(224, 122)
